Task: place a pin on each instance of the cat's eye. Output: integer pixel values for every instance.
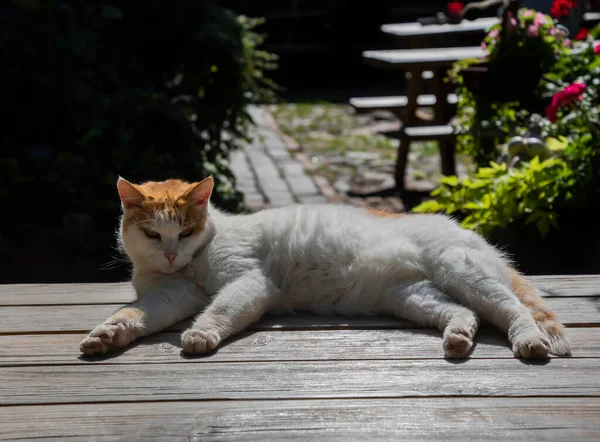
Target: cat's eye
(152, 234)
(186, 233)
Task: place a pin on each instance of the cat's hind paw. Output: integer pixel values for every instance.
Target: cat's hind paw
(106, 338)
(198, 341)
(531, 347)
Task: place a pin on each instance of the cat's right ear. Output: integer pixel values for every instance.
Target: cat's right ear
(130, 196)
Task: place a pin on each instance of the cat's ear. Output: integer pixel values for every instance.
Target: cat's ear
(200, 194)
(130, 196)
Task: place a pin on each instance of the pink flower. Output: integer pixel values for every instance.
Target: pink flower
(483, 46)
(567, 42)
(597, 49)
(512, 22)
(528, 13)
(570, 94)
(539, 19)
(532, 31)
(493, 33)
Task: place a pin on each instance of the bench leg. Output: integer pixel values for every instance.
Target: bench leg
(442, 116)
(413, 87)
(447, 148)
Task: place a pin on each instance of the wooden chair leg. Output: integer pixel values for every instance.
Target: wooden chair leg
(447, 148)
(402, 161)
(442, 116)
(413, 87)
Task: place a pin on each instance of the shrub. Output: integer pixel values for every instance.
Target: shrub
(147, 90)
(537, 154)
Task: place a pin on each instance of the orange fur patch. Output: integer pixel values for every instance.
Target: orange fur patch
(170, 197)
(130, 313)
(554, 328)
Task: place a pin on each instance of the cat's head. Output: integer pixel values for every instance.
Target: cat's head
(163, 223)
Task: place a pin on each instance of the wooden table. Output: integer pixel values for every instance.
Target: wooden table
(415, 29)
(479, 25)
(415, 61)
(297, 378)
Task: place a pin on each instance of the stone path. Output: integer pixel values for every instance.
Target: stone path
(273, 171)
(266, 172)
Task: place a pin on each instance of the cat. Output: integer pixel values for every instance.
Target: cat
(190, 257)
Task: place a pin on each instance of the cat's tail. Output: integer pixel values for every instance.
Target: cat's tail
(545, 319)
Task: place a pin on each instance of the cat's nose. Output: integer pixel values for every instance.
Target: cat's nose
(171, 256)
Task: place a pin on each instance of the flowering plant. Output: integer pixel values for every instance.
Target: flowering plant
(562, 8)
(531, 36)
(455, 8)
(539, 154)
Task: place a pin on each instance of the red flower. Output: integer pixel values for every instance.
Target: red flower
(597, 49)
(582, 34)
(455, 8)
(561, 8)
(570, 94)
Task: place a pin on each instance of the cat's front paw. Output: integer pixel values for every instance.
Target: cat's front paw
(199, 341)
(105, 338)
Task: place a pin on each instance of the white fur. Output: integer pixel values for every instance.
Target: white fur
(327, 259)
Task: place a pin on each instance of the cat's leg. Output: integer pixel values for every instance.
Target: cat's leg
(236, 306)
(423, 303)
(158, 309)
(479, 280)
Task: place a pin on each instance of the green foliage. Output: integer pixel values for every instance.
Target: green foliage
(513, 182)
(497, 195)
(146, 90)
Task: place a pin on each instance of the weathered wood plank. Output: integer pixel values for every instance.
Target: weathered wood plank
(75, 294)
(311, 345)
(567, 285)
(421, 58)
(203, 380)
(416, 29)
(111, 293)
(464, 419)
(73, 318)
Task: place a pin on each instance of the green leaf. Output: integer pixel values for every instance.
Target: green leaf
(428, 206)
(543, 226)
(451, 180)
(557, 144)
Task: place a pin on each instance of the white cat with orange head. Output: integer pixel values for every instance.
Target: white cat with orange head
(189, 257)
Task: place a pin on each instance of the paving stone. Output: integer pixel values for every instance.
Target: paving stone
(302, 185)
(294, 169)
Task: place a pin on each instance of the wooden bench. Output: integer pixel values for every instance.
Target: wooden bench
(428, 131)
(395, 104)
(415, 61)
(416, 29)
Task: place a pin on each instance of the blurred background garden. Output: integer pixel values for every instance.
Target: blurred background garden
(487, 111)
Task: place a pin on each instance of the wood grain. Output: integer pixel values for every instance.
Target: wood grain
(73, 318)
(201, 379)
(467, 419)
(118, 293)
(59, 294)
(312, 345)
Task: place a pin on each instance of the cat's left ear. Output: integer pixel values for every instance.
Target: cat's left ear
(200, 194)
